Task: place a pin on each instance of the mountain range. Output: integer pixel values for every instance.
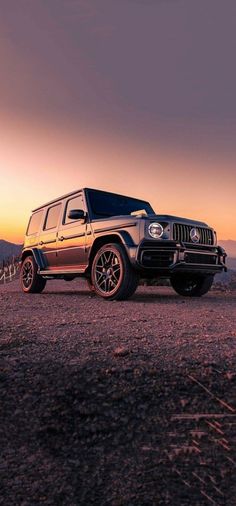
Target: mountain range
(230, 247)
(9, 249)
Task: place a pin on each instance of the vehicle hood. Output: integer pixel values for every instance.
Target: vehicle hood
(152, 217)
(176, 219)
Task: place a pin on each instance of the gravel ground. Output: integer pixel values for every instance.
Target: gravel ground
(117, 403)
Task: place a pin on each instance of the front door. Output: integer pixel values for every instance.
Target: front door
(71, 238)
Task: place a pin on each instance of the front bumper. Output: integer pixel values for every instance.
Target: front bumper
(166, 257)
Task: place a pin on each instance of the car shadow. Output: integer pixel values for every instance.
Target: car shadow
(210, 298)
(156, 297)
(68, 292)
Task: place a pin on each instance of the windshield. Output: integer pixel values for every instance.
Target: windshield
(104, 204)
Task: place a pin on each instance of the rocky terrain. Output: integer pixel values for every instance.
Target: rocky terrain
(117, 403)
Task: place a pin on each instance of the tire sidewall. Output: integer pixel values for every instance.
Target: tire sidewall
(118, 250)
(31, 260)
(38, 283)
(202, 285)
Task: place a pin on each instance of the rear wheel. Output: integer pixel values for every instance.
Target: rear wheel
(112, 276)
(190, 285)
(30, 280)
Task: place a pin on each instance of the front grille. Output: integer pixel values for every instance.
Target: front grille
(157, 259)
(196, 258)
(181, 233)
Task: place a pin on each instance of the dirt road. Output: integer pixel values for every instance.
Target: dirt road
(117, 403)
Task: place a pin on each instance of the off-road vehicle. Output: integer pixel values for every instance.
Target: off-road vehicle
(112, 241)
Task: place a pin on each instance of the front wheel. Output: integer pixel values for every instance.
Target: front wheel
(30, 280)
(191, 285)
(112, 276)
(90, 285)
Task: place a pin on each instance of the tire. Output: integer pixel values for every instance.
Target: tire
(30, 281)
(90, 285)
(191, 285)
(112, 276)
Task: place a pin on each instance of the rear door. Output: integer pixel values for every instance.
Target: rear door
(33, 230)
(48, 236)
(71, 237)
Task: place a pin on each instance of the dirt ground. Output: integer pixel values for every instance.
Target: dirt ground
(117, 403)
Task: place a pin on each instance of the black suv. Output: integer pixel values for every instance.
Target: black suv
(112, 241)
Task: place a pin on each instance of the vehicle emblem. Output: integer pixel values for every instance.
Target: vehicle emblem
(194, 235)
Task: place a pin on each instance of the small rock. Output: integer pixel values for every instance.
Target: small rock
(121, 352)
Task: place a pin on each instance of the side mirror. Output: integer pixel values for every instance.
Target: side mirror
(77, 214)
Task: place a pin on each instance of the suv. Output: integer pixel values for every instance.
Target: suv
(112, 241)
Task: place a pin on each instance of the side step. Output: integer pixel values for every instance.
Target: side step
(52, 273)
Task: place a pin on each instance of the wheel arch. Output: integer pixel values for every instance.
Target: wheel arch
(122, 238)
(34, 252)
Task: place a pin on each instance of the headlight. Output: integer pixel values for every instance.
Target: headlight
(155, 230)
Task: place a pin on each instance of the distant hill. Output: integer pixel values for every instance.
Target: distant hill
(230, 247)
(9, 249)
(231, 263)
(225, 280)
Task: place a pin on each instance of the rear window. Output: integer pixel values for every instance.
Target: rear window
(52, 217)
(34, 223)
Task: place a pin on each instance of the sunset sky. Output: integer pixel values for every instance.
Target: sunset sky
(131, 96)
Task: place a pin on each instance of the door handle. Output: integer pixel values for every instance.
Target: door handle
(61, 238)
(41, 243)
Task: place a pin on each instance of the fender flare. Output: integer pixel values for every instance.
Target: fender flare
(123, 237)
(126, 238)
(38, 257)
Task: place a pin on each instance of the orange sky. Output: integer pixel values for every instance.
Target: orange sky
(124, 96)
(39, 163)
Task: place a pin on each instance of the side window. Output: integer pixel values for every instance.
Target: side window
(34, 223)
(52, 217)
(75, 203)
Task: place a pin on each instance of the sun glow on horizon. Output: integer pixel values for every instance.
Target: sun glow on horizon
(39, 163)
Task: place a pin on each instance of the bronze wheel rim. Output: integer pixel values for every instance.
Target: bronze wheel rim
(107, 272)
(27, 274)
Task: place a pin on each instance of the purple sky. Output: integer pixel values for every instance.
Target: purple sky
(139, 72)
(142, 67)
